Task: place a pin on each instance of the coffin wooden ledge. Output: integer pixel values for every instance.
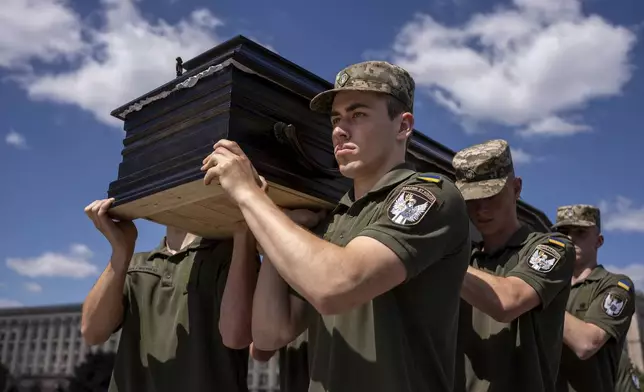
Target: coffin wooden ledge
(206, 210)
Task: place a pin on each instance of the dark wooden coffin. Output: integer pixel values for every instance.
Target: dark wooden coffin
(241, 91)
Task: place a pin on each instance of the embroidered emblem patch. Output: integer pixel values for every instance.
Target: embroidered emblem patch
(343, 79)
(614, 304)
(411, 205)
(543, 259)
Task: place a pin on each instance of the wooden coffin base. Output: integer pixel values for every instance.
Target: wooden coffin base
(205, 210)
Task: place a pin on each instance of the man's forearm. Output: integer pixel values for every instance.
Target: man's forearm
(486, 292)
(103, 307)
(308, 264)
(237, 300)
(274, 323)
(582, 338)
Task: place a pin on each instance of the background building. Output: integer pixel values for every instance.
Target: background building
(43, 345)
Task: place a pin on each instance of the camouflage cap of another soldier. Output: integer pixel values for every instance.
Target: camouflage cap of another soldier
(482, 170)
(580, 215)
(376, 76)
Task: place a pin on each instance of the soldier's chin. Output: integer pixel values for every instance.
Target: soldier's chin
(350, 169)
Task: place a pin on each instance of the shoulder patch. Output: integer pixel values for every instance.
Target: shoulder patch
(635, 380)
(623, 283)
(434, 178)
(556, 241)
(544, 258)
(614, 303)
(410, 205)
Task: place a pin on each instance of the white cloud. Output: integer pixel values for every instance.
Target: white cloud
(522, 66)
(123, 58)
(74, 264)
(9, 303)
(520, 156)
(46, 30)
(553, 126)
(33, 287)
(633, 271)
(622, 215)
(16, 139)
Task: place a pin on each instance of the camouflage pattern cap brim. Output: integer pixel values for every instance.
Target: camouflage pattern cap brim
(481, 189)
(579, 215)
(374, 76)
(573, 223)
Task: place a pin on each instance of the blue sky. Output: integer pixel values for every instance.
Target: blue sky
(561, 80)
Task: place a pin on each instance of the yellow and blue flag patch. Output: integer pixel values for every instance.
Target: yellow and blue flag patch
(624, 284)
(431, 178)
(555, 241)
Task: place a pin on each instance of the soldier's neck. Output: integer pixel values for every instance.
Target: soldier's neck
(177, 239)
(365, 183)
(582, 271)
(495, 241)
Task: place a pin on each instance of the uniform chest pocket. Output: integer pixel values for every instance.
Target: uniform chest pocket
(145, 273)
(581, 305)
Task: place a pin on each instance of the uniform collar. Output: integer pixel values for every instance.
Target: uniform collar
(517, 240)
(162, 249)
(598, 273)
(393, 177)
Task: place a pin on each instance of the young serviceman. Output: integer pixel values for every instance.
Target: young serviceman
(167, 304)
(381, 287)
(515, 290)
(599, 311)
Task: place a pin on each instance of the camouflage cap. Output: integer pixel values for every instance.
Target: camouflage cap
(483, 169)
(580, 215)
(377, 76)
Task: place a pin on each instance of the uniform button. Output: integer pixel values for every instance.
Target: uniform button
(168, 276)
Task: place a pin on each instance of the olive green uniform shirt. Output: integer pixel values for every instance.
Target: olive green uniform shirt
(606, 300)
(405, 339)
(170, 339)
(627, 377)
(522, 355)
(294, 365)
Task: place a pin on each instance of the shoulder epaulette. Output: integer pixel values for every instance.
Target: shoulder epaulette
(428, 177)
(623, 283)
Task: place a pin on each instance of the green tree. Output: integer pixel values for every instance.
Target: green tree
(93, 375)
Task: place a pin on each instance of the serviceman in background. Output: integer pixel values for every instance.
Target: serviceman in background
(167, 303)
(515, 290)
(599, 311)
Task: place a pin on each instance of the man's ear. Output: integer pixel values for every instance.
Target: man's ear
(406, 126)
(517, 186)
(600, 240)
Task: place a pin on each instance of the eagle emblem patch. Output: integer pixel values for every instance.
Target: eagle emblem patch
(410, 205)
(543, 259)
(614, 304)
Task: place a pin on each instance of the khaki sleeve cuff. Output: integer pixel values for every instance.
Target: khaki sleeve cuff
(404, 254)
(535, 284)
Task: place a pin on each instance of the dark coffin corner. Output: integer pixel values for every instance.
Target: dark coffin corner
(242, 91)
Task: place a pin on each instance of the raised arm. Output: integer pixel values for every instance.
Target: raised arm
(237, 300)
(279, 316)
(103, 307)
(526, 286)
(332, 278)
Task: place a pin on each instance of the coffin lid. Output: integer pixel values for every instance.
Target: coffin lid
(253, 57)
